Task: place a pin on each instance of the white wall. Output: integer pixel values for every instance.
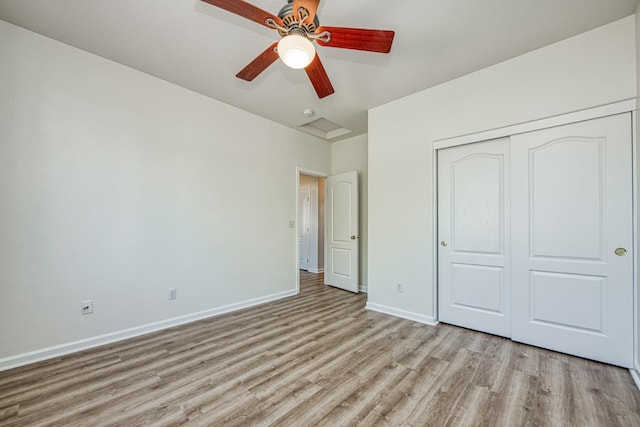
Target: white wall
(115, 186)
(348, 155)
(591, 69)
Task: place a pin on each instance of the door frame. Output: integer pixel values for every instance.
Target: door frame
(310, 172)
(625, 106)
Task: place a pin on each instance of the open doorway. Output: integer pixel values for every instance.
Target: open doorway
(310, 223)
(328, 203)
(310, 244)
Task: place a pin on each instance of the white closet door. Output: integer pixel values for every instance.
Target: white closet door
(572, 239)
(473, 269)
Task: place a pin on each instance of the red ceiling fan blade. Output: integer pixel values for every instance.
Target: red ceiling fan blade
(259, 64)
(246, 10)
(310, 5)
(358, 39)
(319, 78)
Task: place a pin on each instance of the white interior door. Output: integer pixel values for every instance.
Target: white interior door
(341, 236)
(473, 229)
(572, 239)
(304, 215)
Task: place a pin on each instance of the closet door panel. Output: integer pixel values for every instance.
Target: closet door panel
(571, 211)
(473, 273)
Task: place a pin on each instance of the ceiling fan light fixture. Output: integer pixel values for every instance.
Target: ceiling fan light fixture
(296, 51)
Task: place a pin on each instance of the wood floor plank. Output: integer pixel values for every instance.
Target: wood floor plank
(355, 408)
(318, 358)
(438, 405)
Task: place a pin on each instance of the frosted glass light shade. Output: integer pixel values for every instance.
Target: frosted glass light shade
(296, 51)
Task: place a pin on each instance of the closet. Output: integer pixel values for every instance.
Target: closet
(535, 237)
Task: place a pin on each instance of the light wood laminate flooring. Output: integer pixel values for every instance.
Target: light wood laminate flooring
(317, 359)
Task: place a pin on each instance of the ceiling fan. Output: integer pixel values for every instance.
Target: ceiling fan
(299, 27)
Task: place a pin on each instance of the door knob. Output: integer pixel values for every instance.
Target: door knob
(621, 251)
(444, 244)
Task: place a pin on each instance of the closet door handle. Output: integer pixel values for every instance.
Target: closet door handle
(443, 244)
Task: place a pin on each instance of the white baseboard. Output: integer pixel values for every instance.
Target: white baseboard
(636, 377)
(316, 270)
(75, 346)
(427, 320)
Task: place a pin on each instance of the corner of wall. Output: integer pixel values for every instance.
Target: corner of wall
(347, 155)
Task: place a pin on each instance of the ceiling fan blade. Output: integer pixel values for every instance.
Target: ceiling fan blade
(259, 64)
(358, 39)
(319, 78)
(310, 5)
(246, 10)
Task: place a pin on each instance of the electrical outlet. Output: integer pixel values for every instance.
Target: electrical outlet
(86, 307)
(399, 287)
(172, 293)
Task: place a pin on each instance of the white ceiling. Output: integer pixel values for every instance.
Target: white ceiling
(201, 47)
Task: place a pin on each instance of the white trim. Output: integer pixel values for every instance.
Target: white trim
(636, 377)
(427, 320)
(577, 116)
(634, 184)
(75, 346)
(363, 288)
(434, 231)
(316, 270)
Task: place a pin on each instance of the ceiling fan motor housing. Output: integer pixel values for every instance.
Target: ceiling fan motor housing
(295, 22)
